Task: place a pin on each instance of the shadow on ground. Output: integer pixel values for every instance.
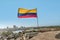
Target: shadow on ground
(57, 36)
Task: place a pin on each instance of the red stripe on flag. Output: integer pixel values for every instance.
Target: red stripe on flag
(27, 16)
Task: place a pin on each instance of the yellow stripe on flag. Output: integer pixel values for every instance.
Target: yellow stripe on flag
(24, 11)
(33, 11)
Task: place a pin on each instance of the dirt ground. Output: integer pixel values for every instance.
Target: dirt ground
(51, 35)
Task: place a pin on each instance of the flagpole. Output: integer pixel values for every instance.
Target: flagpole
(37, 20)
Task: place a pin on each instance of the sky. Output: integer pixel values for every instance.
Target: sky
(48, 12)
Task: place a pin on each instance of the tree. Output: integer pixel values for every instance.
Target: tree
(16, 35)
(6, 34)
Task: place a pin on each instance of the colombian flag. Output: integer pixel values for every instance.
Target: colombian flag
(24, 13)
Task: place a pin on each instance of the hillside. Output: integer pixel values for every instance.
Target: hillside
(52, 35)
